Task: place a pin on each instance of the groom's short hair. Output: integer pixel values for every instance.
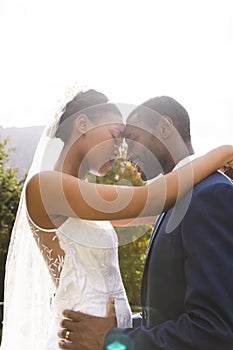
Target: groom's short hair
(150, 111)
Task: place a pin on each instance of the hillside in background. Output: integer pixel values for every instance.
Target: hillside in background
(24, 140)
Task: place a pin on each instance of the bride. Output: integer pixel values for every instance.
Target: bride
(62, 218)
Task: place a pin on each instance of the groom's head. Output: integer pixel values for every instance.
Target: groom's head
(158, 135)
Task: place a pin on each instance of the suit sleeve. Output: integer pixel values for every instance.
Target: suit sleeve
(207, 324)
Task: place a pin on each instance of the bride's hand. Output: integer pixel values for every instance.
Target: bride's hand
(85, 332)
(228, 169)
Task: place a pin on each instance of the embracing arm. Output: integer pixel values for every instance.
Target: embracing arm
(53, 193)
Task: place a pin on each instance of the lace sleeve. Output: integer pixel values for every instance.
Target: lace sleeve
(48, 244)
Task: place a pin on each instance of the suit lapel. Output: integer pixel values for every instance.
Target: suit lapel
(155, 231)
(152, 238)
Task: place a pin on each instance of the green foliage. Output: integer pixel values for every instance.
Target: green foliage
(133, 240)
(131, 257)
(10, 190)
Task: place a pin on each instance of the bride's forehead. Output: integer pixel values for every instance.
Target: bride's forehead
(116, 125)
(117, 129)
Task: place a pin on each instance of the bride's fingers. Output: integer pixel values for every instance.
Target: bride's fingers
(229, 172)
(229, 163)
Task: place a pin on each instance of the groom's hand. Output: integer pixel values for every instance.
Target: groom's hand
(85, 332)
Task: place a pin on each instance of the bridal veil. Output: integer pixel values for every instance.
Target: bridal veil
(28, 286)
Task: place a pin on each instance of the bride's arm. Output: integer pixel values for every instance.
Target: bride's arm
(53, 193)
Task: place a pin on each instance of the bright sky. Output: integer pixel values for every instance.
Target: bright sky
(130, 50)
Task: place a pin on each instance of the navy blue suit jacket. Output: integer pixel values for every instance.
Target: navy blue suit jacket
(187, 286)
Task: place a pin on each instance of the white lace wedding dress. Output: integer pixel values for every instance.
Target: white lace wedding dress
(89, 275)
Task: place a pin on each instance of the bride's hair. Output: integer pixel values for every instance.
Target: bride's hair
(83, 102)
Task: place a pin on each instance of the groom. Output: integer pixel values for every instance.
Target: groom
(187, 285)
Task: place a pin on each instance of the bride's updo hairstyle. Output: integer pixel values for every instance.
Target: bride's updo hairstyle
(83, 102)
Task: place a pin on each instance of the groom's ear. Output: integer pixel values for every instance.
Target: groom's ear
(81, 123)
(165, 126)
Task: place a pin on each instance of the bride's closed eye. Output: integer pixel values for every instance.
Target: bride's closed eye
(116, 140)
